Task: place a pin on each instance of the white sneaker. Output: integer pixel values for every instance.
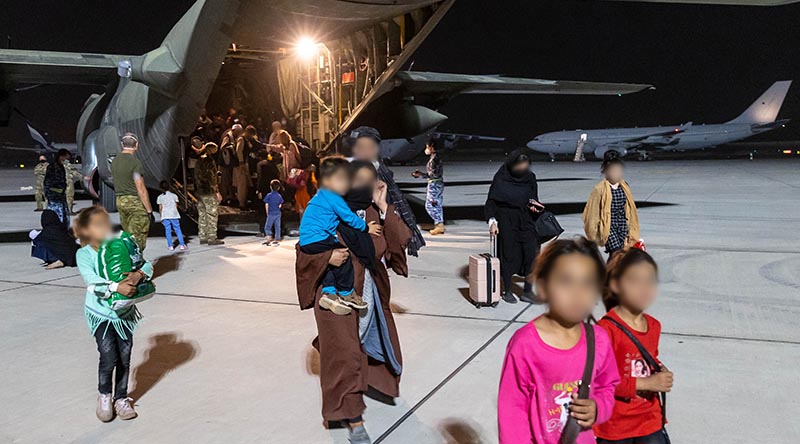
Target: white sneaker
(124, 409)
(183, 247)
(105, 411)
(170, 248)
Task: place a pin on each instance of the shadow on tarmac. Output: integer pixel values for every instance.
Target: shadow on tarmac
(165, 353)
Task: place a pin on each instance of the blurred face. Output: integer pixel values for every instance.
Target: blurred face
(364, 178)
(521, 168)
(276, 126)
(366, 149)
(614, 173)
(572, 289)
(429, 150)
(197, 143)
(637, 287)
(284, 139)
(98, 229)
(339, 182)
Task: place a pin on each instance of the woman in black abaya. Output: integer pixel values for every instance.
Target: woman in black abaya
(54, 245)
(511, 209)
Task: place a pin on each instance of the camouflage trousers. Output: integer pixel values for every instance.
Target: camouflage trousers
(207, 215)
(38, 193)
(134, 219)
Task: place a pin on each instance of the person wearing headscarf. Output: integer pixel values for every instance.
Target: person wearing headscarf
(511, 209)
(55, 186)
(366, 147)
(359, 351)
(54, 245)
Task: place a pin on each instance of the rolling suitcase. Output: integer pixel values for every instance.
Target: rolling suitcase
(484, 277)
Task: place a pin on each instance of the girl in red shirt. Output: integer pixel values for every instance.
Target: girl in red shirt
(631, 287)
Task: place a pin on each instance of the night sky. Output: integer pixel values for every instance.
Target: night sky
(708, 63)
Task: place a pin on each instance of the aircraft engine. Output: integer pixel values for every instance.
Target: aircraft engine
(601, 151)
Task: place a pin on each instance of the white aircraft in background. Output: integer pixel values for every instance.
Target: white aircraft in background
(758, 118)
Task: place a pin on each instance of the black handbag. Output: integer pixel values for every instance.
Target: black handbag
(547, 227)
(654, 368)
(572, 429)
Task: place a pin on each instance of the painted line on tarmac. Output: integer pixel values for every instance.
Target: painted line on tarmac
(731, 338)
(449, 377)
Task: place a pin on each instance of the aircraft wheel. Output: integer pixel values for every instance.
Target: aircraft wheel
(108, 197)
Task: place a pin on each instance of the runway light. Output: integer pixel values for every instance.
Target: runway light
(306, 48)
(787, 151)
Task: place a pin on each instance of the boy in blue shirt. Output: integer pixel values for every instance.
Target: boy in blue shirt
(273, 202)
(326, 210)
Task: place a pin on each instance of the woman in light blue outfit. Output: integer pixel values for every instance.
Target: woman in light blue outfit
(113, 330)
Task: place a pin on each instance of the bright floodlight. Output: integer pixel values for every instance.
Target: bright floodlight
(306, 48)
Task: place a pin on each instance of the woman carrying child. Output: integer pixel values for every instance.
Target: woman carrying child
(347, 369)
(631, 287)
(546, 359)
(113, 330)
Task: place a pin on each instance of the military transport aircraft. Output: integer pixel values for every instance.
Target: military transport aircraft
(759, 117)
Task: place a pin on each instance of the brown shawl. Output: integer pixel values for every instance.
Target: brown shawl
(345, 370)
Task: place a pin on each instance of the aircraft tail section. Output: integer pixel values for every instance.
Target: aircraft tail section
(765, 109)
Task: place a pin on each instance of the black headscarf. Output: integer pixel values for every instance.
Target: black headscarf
(510, 189)
(359, 199)
(56, 238)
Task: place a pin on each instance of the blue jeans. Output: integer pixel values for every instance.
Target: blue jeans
(173, 224)
(273, 226)
(435, 200)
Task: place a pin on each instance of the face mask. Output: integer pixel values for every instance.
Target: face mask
(359, 198)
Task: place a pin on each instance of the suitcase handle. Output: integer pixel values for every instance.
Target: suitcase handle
(493, 245)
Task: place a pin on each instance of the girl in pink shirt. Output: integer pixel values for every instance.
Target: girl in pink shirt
(545, 359)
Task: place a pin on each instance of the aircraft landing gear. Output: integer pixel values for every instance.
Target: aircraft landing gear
(108, 197)
(552, 157)
(644, 156)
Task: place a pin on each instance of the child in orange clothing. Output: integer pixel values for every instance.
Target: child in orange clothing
(631, 287)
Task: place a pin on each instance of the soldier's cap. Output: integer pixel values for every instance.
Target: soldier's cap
(366, 131)
(210, 148)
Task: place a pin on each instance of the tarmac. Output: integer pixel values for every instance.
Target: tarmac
(224, 353)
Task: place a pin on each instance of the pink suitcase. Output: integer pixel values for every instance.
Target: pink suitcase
(484, 278)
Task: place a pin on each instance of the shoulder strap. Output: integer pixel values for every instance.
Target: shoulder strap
(586, 380)
(655, 368)
(645, 354)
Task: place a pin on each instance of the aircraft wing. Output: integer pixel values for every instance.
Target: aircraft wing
(453, 137)
(49, 67)
(439, 87)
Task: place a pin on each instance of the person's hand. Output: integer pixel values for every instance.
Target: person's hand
(535, 206)
(493, 230)
(379, 195)
(416, 173)
(659, 382)
(219, 197)
(126, 289)
(583, 410)
(133, 277)
(151, 217)
(338, 257)
(374, 228)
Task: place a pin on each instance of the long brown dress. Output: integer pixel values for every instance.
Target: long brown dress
(345, 370)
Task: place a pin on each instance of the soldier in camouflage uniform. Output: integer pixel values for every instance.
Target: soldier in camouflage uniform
(38, 190)
(73, 175)
(208, 196)
(133, 201)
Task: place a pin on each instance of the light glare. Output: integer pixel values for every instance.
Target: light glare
(306, 48)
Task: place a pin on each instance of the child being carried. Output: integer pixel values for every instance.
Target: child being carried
(318, 234)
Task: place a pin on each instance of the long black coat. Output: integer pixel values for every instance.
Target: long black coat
(508, 203)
